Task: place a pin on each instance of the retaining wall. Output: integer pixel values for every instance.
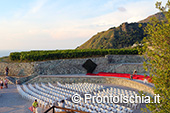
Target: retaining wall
(109, 63)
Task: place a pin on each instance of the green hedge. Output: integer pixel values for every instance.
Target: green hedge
(63, 54)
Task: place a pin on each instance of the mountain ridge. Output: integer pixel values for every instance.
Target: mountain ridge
(122, 36)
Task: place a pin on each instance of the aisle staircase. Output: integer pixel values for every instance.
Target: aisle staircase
(20, 80)
(11, 79)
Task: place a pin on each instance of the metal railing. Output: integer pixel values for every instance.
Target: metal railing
(66, 110)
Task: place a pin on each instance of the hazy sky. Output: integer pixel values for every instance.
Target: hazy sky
(63, 24)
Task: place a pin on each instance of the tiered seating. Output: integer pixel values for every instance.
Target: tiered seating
(59, 93)
(42, 99)
(91, 107)
(24, 94)
(48, 95)
(82, 87)
(29, 96)
(100, 107)
(118, 91)
(62, 89)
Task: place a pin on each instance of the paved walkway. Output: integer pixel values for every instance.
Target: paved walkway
(12, 102)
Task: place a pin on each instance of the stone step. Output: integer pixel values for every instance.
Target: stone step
(12, 79)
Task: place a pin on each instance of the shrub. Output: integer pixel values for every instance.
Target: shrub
(63, 54)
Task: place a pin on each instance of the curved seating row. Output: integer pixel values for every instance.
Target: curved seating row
(50, 95)
(30, 97)
(82, 87)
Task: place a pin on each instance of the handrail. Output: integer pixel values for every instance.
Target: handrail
(65, 109)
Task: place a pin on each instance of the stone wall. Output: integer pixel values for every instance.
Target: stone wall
(110, 63)
(97, 80)
(125, 58)
(21, 69)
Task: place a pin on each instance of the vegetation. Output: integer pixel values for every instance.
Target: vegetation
(123, 36)
(160, 16)
(4, 59)
(157, 51)
(120, 37)
(62, 54)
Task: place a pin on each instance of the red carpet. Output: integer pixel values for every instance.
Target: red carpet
(124, 75)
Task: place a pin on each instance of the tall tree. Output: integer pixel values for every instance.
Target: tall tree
(157, 51)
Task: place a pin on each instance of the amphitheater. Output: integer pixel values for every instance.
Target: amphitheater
(52, 81)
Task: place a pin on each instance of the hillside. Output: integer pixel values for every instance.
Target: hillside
(159, 16)
(122, 36)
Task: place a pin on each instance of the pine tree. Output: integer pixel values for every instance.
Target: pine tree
(157, 51)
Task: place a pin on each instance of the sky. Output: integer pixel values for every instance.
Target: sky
(64, 24)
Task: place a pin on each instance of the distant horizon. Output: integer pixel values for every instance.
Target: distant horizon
(49, 24)
(4, 53)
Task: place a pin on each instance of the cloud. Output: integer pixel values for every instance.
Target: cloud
(69, 33)
(112, 4)
(35, 7)
(52, 29)
(121, 9)
(38, 5)
(129, 12)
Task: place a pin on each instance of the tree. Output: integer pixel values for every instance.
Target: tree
(157, 51)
